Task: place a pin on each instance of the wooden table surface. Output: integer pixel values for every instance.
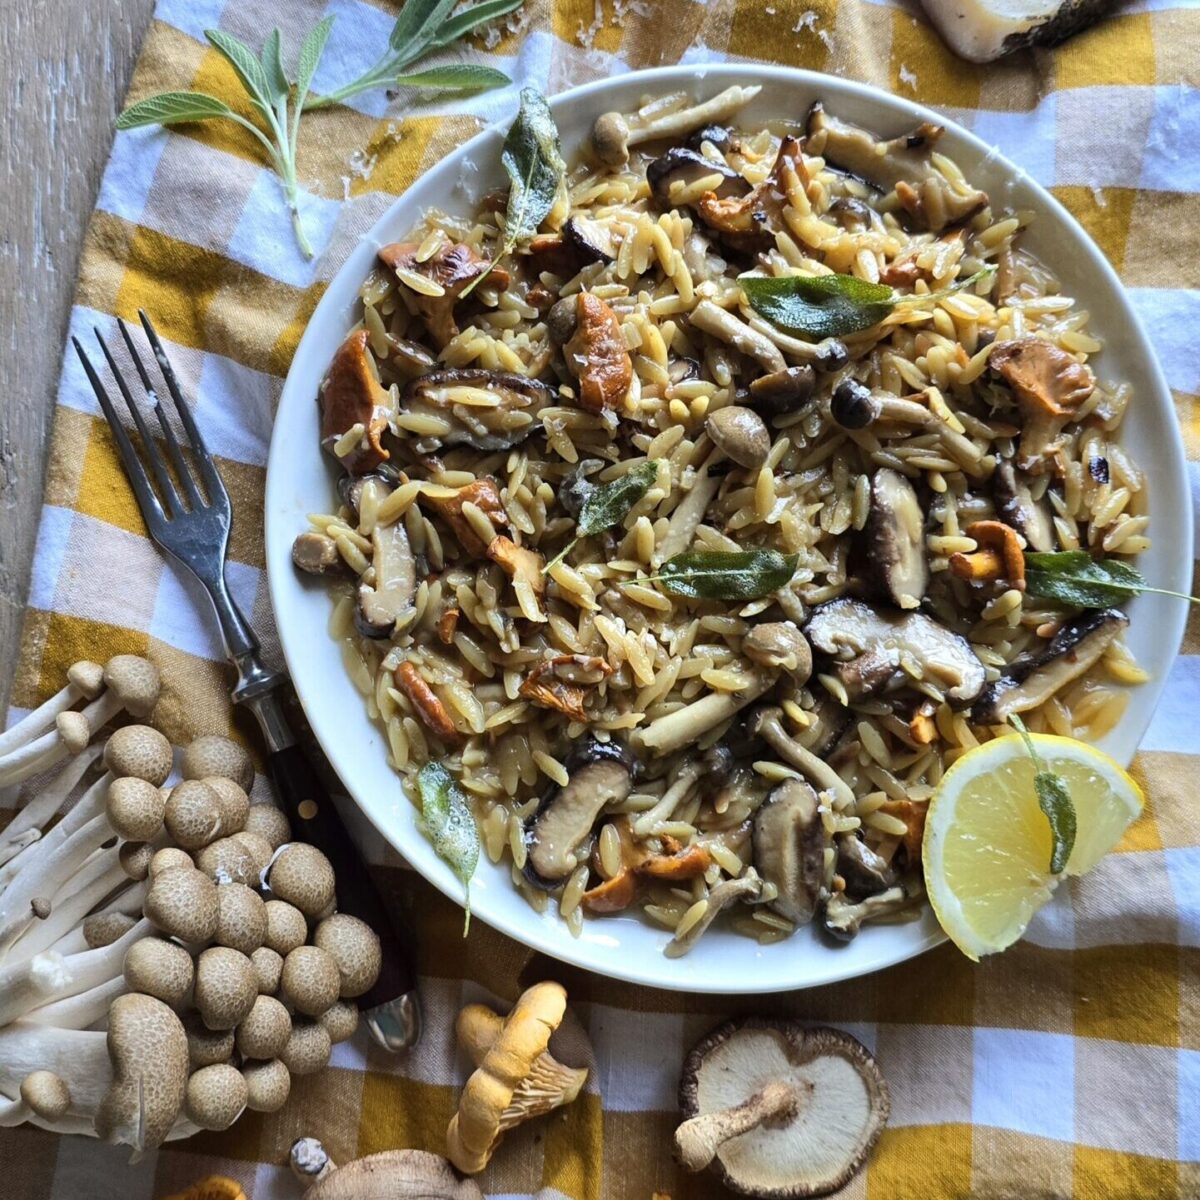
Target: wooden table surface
(64, 68)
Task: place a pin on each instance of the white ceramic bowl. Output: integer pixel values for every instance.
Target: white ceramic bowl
(300, 480)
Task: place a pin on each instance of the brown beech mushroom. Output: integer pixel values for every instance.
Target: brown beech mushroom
(268, 823)
(183, 904)
(213, 755)
(193, 815)
(778, 1110)
(740, 434)
(264, 1030)
(310, 981)
(303, 876)
(286, 927)
(228, 861)
(241, 918)
(354, 947)
(268, 969)
(226, 987)
(232, 801)
(499, 1094)
(206, 1046)
(42, 1094)
(216, 1096)
(395, 1174)
(267, 1085)
(166, 858)
(340, 1020)
(161, 969)
(148, 1050)
(308, 1048)
(140, 751)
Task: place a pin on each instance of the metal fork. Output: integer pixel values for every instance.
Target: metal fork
(193, 527)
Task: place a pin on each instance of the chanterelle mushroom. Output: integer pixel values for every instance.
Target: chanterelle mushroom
(904, 164)
(493, 1101)
(778, 1110)
(351, 395)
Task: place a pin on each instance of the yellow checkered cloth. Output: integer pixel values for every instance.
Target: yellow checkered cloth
(1069, 1066)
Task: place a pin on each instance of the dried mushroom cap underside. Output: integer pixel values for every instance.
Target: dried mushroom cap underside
(397, 1175)
(841, 1104)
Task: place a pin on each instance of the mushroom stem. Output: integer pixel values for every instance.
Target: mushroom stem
(83, 810)
(40, 808)
(710, 112)
(747, 886)
(81, 1011)
(83, 682)
(682, 727)
(791, 346)
(711, 318)
(43, 752)
(78, 1057)
(770, 726)
(679, 787)
(310, 1161)
(70, 907)
(698, 1140)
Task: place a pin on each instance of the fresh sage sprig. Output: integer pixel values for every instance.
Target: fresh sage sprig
(277, 102)
(533, 160)
(609, 504)
(1055, 801)
(425, 26)
(821, 306)
(726, 575)
(447, 821)
(1075, 577)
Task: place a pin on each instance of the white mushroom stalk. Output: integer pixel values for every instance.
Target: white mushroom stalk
(84, 681)
(26, 827)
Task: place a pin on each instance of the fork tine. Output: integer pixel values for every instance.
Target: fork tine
(177, 460)
(208, 470)
(147, 500)
(157, 466)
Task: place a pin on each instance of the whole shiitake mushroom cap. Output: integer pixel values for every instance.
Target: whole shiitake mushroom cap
(269, 823)
(265, 1030)
(183, 903)
(215, 755)
(193, 815)
(302, 876)
(216, 1096)
(226, 987)
(227, 860)
(396, 1174)
(135, 859)
(235, 804)
(286, 927)
(308, 1048)
(354, 946)
(168, 857)
(159, 968)
(268, 967)
(135, 682)
(206, 1046)
(135, 808)
(310, 981)
(267, 1084)
(241, 918)
(140, 751)
(340, 1021)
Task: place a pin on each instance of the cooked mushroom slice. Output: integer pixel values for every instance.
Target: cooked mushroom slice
(867, 674)
(1029, 517)
(445, 276)
(779, 646)
(382, 603)
(843, 917)
(485, 495)
(779, 1110)
(351, 395)
(748, 886)
(749, 222)
(613, 134)
(716, 135)
(487, 410)
(558, 833)
(903, 163)
(789, 849)
(864, 872)
(316, 554)
(846, 628)
(829, 721)
(591, 240)
(983, 30)
(680, 728)
(896, 539)
(1072, 651)
(781, 391)
(597, 356)
(740, 434)
(686, 167)
(1048, 385)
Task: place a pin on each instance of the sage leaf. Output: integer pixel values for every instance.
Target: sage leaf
(1055, 801)
(310, 56)
(457, 77)
(417, 25)
(1075, 577)
(822, 306)
(722, 575)
(609, 504)
(272, 65)
(471, 18)
(447, 821)
(245, 65)
(173, 108)
(534, 163)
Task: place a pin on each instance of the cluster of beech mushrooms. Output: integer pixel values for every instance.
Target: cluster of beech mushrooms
(147, 988)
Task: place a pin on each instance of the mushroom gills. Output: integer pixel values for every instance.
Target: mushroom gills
(686, 167)
(789, 849)
(846, 628)
(382, 603)
(1072, 651)
(487, 410)
(864, 872)
(1016, 507)
(983, 30)
(896, 539)
(558, 834)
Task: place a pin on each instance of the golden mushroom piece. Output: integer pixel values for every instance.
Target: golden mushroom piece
(515, 1078)
(778, 1110)
(396, 1174)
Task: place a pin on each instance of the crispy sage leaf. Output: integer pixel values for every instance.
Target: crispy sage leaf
(449, 824)
(609, 504)
(1055, 801)
(720, 575)
(533, 160)
(821, 306)
(1075, 577)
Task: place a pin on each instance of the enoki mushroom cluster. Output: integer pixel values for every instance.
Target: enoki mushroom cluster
(147, 987)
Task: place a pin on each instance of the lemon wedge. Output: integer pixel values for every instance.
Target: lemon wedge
(987, 843)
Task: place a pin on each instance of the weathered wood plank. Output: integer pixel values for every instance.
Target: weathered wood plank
(64, 69)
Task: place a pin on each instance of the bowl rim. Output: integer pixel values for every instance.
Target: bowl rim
(546, 932)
